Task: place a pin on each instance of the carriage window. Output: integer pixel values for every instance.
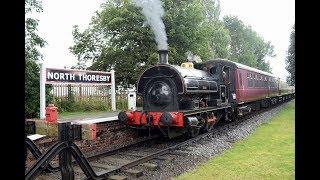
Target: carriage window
(249, 77)
(261, 81)
(240, 79)
(265, 82)
(273, 84)
(255, 81)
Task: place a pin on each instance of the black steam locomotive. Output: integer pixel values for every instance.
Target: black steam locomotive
(188, 99)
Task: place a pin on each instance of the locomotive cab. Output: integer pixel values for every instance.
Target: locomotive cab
(224, 73)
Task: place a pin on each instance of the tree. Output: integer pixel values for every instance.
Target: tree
(247, 47)
(219, 35)
(118, 37)
(32, 55)
(290, 59)
(32, 39)
(187, 30)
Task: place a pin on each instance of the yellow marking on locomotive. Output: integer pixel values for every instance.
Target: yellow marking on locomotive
(187, 65)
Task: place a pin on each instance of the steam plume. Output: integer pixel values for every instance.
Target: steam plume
(191, 57)
(153, 11)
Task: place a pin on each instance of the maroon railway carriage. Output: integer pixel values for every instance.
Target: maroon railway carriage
(256, 85)
(249, 88)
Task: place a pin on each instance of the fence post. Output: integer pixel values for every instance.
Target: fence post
(80, 91)
(65, 156)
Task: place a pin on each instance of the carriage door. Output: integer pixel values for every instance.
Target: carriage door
(224, 89)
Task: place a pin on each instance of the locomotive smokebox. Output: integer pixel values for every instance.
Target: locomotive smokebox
(163, 56)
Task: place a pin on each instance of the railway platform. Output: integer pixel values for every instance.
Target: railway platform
(91, 118)
(90, 123)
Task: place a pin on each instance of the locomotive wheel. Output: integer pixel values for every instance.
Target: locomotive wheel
(209, 126)
(193, 132)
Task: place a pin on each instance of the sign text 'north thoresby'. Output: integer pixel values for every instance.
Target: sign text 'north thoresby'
(77, 76)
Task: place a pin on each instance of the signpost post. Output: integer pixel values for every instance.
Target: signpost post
(113, 92)
(42, 90)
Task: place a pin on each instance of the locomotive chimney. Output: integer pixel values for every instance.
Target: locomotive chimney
(163, 56)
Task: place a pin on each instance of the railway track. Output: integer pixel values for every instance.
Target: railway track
(130, 162)
(122, 163)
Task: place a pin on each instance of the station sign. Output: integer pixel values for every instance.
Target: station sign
(70, 76)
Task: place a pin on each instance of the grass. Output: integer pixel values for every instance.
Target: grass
(78, 113)
(66, 114)
(266, 154)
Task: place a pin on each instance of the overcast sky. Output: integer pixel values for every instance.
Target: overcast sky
(271, 19)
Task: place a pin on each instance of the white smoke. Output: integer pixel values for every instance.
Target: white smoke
(193, 58)
(153, 11)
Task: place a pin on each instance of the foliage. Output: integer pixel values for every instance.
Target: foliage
(186, 30)
(290, 60)
(32, 39)
(216, 31)
(119, 37)
(65, 104)
(32, 55)
(266, 154)
(247, 47)
(32, 87)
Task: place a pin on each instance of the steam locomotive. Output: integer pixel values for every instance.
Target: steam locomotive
(192, 98)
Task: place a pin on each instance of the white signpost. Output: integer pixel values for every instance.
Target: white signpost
(42, 91)
(72, 76)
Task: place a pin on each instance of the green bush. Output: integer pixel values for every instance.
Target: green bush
(93, 104)
(32, 90)
(66, 104)
(69, 104)
(122, 104)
